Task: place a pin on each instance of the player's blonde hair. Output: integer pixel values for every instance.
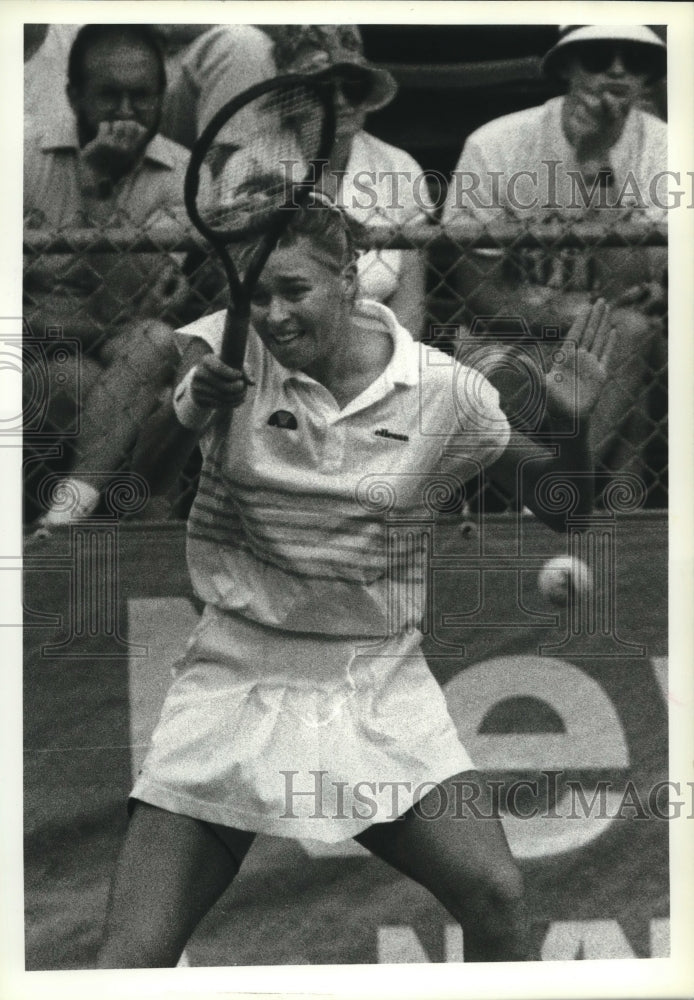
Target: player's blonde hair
(333, 233)
(329, 228)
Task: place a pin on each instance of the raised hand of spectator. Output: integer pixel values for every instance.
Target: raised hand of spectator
(115, 146)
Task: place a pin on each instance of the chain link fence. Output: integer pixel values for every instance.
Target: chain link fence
(101, 305)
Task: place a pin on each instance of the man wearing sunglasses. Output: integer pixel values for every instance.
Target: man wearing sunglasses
(591, 153)
(606, 78)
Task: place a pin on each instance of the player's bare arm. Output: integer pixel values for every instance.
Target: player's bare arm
(570, 403)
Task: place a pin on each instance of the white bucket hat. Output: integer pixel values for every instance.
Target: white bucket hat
(635, 34)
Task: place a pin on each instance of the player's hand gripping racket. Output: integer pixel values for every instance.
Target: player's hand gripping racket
(240, 187)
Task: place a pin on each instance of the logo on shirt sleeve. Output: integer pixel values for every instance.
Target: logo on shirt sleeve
(283, 419)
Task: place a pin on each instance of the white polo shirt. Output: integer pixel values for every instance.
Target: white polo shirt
(309, 517)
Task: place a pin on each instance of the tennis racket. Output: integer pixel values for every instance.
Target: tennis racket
(240, 192)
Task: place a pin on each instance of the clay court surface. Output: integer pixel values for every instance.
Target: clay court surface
(531, 693)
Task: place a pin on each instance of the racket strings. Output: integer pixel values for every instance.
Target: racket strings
(258, 158)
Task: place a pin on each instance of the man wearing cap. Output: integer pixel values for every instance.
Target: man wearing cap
(590, 154)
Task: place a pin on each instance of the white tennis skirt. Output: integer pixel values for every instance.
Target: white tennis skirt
(298, 735)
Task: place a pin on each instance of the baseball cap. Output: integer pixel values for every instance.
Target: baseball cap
(331, 49)
(636, 34)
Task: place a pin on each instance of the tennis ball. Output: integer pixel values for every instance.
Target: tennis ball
(562, 578)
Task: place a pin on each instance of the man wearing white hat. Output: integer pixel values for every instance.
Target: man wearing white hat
(591, 152)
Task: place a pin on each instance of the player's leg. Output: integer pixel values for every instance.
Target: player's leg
(465, 862)
(172, 870)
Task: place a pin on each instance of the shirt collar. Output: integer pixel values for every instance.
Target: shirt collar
(403, 367)
(62, 134)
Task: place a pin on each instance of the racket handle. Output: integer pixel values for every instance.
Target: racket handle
(236, 325)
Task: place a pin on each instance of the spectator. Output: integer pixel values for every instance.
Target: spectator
(539, 157)
(217, 65)
(46, 50)
(105, 166)
(211, 68)
(361, 175)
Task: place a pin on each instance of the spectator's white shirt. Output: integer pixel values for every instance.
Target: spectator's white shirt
(217, 66)
(382, 185)
(45, 76)
(522, 166)
(53, 191)
(524, 162)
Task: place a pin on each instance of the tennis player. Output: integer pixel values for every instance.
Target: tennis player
(303, 706)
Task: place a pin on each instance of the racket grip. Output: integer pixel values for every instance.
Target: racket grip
(236, 325)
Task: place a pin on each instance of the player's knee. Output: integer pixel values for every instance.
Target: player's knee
(500, 895)
(492, 916)
(134, 946)
(492, 905)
